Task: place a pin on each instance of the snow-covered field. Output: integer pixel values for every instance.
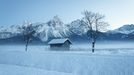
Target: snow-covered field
(40, 61)
(6, 69)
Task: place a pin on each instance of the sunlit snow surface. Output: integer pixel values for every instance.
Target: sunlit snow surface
(114, 59)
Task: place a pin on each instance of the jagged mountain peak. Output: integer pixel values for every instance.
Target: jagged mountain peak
(55, 22)
(52, 29)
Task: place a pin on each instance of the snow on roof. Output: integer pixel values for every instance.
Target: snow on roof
(59, 41)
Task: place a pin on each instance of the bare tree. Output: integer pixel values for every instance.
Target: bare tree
(95, 24)
(28, 32)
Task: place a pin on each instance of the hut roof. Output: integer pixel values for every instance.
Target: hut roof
(59, 41)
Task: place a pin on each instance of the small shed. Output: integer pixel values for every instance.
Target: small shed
(60, 44)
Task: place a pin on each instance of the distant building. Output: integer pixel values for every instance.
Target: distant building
(60, 44)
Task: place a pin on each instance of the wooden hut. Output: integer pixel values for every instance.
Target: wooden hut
(60, 44)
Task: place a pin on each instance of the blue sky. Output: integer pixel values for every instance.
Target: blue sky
(117, 12)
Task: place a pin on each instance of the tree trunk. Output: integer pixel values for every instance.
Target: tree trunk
(93, 45)
(26, 45)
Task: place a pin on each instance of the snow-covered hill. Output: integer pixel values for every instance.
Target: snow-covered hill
(12, 29)
(125, 29)
(7, 32)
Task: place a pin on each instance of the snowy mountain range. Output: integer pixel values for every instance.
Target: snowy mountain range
(55, 28)
(125, 29)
